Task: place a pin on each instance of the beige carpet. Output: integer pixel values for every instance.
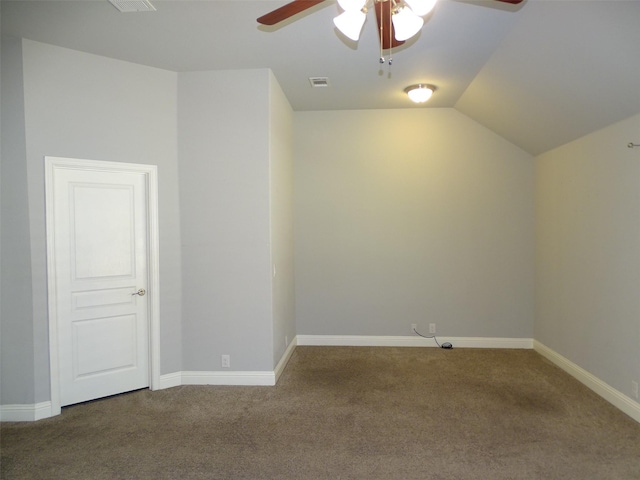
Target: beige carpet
(345, 413)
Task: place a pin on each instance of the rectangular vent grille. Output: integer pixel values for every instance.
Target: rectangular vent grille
(319, 81)
(128, 6)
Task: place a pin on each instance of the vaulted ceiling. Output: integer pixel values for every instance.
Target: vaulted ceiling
(540, 74)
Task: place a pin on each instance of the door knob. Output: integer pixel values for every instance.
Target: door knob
(140, 292)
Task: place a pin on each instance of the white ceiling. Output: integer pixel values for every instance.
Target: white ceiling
(540, 74)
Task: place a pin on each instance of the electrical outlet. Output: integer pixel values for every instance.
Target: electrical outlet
(226, 361)
(634, 389)
(432, 328)
(414, 327)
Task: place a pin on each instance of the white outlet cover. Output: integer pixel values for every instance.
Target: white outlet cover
(225, 361)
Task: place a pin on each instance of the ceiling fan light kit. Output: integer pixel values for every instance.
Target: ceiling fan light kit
(406, 23)
(420, 92)
(384, 10)
(398, 21)
(404, 16)
(350, 23)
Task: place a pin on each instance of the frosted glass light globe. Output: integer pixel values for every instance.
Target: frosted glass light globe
(420, 93)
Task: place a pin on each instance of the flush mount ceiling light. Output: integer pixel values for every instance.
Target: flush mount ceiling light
(420, 92)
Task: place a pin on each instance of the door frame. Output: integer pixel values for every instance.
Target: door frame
(52, 164)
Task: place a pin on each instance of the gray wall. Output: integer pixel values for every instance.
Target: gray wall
(213, 144)
(84, 106)
(281, 182)
(16, 311)
(223, 131)
(411, 216)
(588, 253)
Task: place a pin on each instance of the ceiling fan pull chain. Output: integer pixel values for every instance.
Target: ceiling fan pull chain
(380, 37)
(390, 37)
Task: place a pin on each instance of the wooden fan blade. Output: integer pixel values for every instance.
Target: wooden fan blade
(385, 25)
(286, 11)
(513, 2)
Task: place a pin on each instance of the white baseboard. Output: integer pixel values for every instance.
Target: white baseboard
(489, 342)
(170, 380)
(229, 378)
(285, 358)
(33, 412)
(270, 378)
(610, 394)
(266, 378)
(25, 413)
(411, 341)
(217, 378)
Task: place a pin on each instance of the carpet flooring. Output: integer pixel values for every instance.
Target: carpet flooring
(344, 413)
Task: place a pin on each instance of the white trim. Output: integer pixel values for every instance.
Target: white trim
(412, 341)
(33, 412)
(489, 342)
(285, 358)
(170, 380)
(610, 394)
(177, 379)
(228, 378)
(38, 411)
(220, 378)
(25, 413)
(54, 368)
(361, 341)
(154, 276)
(153, 267)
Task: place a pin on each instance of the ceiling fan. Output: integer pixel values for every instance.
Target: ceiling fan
(398, 20)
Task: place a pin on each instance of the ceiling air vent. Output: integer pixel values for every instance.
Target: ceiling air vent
(127, 6)
(319, 81)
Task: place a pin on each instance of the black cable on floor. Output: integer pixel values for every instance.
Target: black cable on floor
(446, 345)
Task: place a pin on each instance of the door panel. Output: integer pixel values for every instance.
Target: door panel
(96, 298)
(116, 349)
(102, 223)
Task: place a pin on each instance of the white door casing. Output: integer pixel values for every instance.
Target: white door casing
(102, 247)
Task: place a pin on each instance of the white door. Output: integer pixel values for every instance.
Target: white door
(99, 223)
